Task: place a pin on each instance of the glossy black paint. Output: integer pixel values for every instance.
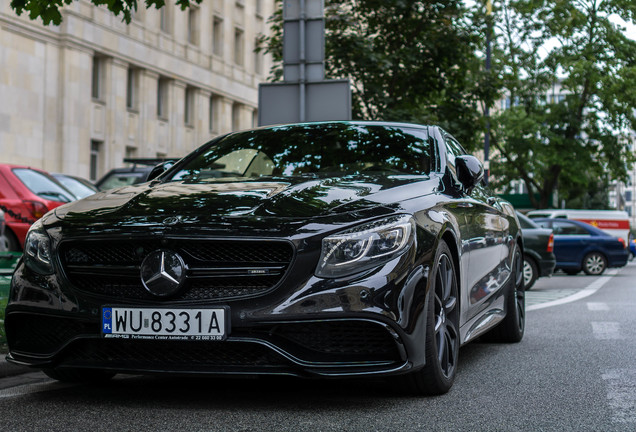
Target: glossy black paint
(299, 211)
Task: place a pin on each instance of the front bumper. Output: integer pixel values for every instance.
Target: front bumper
(373, 324)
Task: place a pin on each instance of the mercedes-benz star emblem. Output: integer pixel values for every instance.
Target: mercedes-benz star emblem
(162, 272)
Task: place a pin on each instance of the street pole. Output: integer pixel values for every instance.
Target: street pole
(487, 108)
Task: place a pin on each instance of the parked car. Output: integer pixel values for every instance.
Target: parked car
(613, 222)
(26, 194)
(319, 249)
(580, 246)
(79, 187)
(632, 249)
(538, 251)
(137, 173)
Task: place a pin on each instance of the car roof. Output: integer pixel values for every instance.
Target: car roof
(587, 226)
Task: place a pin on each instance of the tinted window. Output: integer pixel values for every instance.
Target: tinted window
(42, 185)
(564, 228)
(525, 222)
(314, 150)
(453, 149)
(115, 180)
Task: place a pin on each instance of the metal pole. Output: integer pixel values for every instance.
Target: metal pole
(303, 15)
(487, 109)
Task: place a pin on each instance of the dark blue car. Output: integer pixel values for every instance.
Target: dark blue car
(580, 246)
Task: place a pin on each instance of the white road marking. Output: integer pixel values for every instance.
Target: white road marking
(606, 330)
(585, 292)
(621, 395)
(597, 306)
(26, 389)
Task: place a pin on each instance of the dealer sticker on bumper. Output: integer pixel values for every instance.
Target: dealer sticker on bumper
(164, 324)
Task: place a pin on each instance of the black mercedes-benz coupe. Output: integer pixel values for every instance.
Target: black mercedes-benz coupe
(316, 250)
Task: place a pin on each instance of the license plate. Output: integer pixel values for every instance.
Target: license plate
(164, 324)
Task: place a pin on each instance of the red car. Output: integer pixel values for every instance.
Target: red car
(26, 194)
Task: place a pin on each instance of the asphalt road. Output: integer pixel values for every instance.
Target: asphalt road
(575, 370)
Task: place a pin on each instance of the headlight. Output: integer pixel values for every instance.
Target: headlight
(37, 250)
(365, 246)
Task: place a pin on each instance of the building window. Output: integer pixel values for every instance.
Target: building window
(236, 117)
(217, 36)
(190, 94)
(96, 148)
(97, 78)
(162, 98)
(258, 59)
(193, 25)
(164, 19)
(239, 49)
(255, 118)
(259, 8)
(132, 89)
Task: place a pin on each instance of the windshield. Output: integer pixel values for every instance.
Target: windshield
(315, 150)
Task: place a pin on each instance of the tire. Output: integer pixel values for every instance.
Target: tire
(72, 375)
(530, 273)
(442, 331)
(512, 327)
(594, 264)
(10, 241)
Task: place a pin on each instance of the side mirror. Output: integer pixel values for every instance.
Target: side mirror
(159, 169)
(469, 171)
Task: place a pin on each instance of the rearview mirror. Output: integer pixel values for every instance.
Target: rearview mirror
(159, 169)
(469, 171)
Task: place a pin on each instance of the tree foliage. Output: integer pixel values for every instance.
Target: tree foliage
(407, 60)
(49, 10)
(569, 48)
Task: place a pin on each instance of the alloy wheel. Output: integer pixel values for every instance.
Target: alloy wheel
(446, 314)
(527, 273)
(594, 264)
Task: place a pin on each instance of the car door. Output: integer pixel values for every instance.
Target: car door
(483, 245)
(570, 242)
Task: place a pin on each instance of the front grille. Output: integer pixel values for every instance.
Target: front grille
(216, 269)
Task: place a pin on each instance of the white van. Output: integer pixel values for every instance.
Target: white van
(613, 222)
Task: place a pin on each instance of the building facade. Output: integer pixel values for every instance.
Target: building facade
(80, 97)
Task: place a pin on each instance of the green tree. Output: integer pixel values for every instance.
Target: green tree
(407, 60)
(569, 74)
(49, 10)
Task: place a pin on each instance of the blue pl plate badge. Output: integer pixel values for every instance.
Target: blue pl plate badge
(107, 320)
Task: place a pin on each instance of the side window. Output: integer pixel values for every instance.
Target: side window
(562, 228)
(453, 149)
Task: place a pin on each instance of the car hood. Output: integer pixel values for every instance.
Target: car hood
(282, 198)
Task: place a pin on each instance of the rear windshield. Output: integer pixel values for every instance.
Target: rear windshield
(42, 185)
(315, 150)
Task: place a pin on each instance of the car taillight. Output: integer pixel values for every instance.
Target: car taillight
(36, 208)
(551, 243)
(623, 243)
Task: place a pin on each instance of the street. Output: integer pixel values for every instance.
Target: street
(575, 370)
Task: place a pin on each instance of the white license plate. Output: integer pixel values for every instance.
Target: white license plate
(164, 324)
